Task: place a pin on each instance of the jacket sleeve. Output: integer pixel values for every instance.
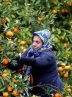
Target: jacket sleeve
(44, 60)
(47, 58)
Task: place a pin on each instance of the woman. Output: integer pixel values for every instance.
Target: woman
(43, 69)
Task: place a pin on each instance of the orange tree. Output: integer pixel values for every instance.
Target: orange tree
(18, 19)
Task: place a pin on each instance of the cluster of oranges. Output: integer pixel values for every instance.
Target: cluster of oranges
(64, 69)
(63, 11)
(14, 91)
(64, 72)
(55, 11)
(10, 33)
(10, 89)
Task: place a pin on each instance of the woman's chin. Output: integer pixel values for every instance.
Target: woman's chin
(36, 48)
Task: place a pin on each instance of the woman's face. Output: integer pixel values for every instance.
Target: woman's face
(36, 42)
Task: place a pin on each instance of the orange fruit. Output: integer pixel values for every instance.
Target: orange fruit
(63, 11)
(66, 75)
(39, 18)
(69, 90)
(8, 0)
(9, 88)
(5, 94)
(16, 30)
(60, 69)
(5, 62)
(54, 11)
(5, 74)
(15, 92)
(9, 34)
(22, 42)
(57, 95)
(65, 44)
(15, 80)
(66, 68)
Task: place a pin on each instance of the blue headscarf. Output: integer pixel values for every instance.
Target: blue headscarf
(45, 36)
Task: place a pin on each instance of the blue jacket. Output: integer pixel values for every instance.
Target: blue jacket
(44, 69)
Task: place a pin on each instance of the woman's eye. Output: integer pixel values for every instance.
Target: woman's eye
(37, 42)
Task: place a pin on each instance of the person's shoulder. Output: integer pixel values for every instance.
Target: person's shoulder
(48, 52)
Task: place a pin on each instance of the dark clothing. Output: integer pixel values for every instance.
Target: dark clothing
(40, 92)
(44, 69)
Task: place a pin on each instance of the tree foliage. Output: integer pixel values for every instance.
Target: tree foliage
(18, 20)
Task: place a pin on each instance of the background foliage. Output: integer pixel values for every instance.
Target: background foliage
(18, 20)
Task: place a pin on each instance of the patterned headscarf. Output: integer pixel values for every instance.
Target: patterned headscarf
(45, 36)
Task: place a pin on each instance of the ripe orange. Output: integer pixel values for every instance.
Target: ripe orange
(5, 62)
(60, 69)
(9, 88)
(66, 75)
(9, 34)
(57, 95)
(54, 11)
(15, 92)
(16, 30)
(5, 94)
(63, 11)
(66, 68)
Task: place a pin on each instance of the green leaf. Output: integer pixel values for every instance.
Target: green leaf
(2, 87)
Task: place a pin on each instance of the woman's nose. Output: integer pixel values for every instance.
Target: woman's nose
(33, 43)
